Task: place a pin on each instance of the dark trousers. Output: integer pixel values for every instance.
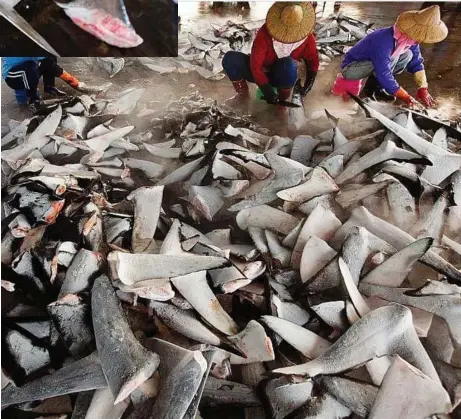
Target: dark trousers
(25, 76)
(283, 74)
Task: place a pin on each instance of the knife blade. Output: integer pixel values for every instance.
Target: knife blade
(17, 20)
(287, 104)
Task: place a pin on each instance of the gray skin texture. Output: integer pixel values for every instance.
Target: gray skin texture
(125, 362)
(85, 374)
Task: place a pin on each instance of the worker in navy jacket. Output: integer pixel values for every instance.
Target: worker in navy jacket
(22, 74)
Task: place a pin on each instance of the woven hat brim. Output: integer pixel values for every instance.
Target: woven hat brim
(290, 34)
(424, 34)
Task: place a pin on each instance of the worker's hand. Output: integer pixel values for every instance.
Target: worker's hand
(70, 79)
(297, 99)
(403, 95)
(269, 95)
(308, 84)
(298, 89)
(425, 98)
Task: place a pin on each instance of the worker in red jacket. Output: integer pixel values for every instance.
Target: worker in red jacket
(284, 39)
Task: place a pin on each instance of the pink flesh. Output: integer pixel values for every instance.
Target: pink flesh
(53, 211)
(105, 27)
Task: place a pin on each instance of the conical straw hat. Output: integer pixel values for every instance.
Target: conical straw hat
(424, 26)
(290, 22)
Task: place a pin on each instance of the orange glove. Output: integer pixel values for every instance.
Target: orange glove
(403, 95)
(425, 98)
(69, 79)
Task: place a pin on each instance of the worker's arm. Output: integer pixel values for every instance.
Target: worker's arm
(259, 49)
(70, 79)
(416, 63)
(310, 57)
(381, 59)
(53, 67)
(416, 67)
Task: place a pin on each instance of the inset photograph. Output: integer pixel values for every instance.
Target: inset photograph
(329, 47)
(89, 28)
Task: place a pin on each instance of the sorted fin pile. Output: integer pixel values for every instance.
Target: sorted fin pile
(112, 65)
(203, 52)
(336, 33)
(190, 263)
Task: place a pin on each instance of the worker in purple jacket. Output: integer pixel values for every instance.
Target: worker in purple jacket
(389, 51)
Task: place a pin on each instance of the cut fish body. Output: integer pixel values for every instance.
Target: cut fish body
(182, 172)
(101, 143)
(321, 223)
(185, 322)
(102, 406)
(318, 183)
(16, 134)
(357, 396)
(266, 217)
(358, 247)
(181, 374)
(424, 397)
(316, 255)
(165, 152)
(394, 236)
(69, 315)
(392, 331)
(285, 176)
(285, 395)
(125, 362)
(194, 288)
(254, 343)
(346, 290)
(308, 343)
(36, 140)
(386, 151)
(353, 193)
(151, 169)
(131, 268)
(444, 163)
(393, 271)
(82, 375)
(447, 307)
(147, 205)
(126, 103)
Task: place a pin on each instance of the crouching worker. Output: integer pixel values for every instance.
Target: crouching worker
(389, 51)
(22, 74)
(284, 39)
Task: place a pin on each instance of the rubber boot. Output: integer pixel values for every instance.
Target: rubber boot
(54, 91)
(241, 87)
(373, 90)
(71, 80)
